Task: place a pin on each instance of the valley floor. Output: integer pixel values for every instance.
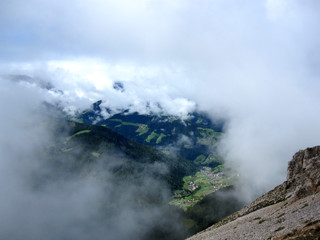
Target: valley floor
(196, 187)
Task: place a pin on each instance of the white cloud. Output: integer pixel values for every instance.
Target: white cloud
(252, 62)
(79, 83)
(90, 71)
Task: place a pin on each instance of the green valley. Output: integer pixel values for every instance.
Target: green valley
(193, 138)
(180, 153)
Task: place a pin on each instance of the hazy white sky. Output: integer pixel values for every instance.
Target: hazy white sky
(254, 62)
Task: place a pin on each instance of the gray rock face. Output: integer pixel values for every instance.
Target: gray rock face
(303, 174)
(289, 211)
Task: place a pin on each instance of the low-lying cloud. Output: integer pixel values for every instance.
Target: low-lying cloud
(45, 196)
(253, 63)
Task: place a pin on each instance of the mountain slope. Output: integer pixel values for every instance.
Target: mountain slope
(290, 211)
(134, 182)
(194, 138)
(91, 144)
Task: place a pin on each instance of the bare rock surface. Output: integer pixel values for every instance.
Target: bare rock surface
(289, 211)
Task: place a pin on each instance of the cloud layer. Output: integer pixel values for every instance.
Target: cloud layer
(47, 195)
(253, 63)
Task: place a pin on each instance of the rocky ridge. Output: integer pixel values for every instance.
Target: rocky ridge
(289, 211)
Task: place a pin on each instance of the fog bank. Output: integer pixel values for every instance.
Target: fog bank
(253, 63)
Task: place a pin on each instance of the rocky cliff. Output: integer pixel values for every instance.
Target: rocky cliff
(289, 211)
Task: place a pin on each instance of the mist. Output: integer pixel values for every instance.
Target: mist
(253, 64)
(45, 195)
(264, 83)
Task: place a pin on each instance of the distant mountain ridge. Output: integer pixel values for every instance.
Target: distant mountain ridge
(82, 151)
(88, 144)
(85, 150)
(195, 138)
(129, 176)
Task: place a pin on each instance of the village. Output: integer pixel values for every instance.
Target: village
(198, 186)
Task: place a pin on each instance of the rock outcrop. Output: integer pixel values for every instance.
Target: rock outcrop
(303, 175)
(289, 211)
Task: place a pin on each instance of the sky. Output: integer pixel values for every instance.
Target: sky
(253, 63)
